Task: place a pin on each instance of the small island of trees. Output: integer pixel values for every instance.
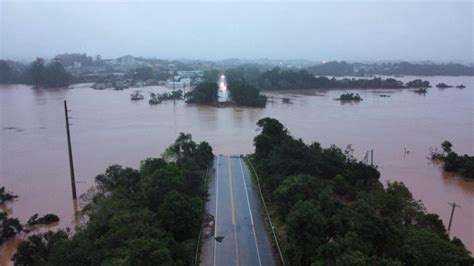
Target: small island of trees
(349, 97)
(452, 162)
(443, 86)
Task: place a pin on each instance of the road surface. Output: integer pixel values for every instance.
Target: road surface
(236, 206)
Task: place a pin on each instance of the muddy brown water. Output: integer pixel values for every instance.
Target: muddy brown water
(108, 129)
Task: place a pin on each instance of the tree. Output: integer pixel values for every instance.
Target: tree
(446, 146)
(306, 228)
(143, 73)
(5, 72)
(211, 75)
(9, 227)
(55, 75)
(37, 72)
(180, 214)
(204, 93)
(36, 250)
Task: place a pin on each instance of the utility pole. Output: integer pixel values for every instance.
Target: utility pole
(71, 164)
(454, 205)
(372, 157)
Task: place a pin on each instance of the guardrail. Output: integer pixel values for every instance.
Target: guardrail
(266, 211)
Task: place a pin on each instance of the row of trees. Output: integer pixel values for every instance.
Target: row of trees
(278, 79)
(150, 216)
(38, 73)
(462, 164)
(343, 68)
(334, 211)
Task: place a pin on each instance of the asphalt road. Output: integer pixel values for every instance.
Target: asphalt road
(235, 204)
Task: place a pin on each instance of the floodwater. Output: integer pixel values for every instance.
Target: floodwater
(107, 128)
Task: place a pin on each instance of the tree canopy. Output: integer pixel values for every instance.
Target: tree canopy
(278, 79)
(241, 91)
(204, 93)
(453, 162)
(334, 211)
(149, 216)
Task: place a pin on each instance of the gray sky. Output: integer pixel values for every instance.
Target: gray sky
(352, 30)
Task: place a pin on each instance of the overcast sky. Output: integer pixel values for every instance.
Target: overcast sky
(353, 30)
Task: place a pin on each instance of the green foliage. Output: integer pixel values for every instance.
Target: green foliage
(211, 75)
(350, 97)
(462, 164)
(343, 68)
(36, 250)
(143, 73)
(242, 92)
(278, 79)
(45, 220)
(204, 93)
(149, 216)
(51, 75)
(338, 213)
(6, 196)
(9, 227)
(418, 83)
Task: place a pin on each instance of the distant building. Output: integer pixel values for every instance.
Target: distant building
(77, 64)
(127, 60)
(190, 74)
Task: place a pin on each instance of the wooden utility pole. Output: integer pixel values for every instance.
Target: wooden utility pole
(71, 164)
(372, 157)
(454, 205)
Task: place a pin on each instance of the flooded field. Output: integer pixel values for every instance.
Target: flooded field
(107, 128)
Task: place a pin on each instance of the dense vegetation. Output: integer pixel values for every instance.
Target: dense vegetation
(9, 227)
(278, 79)
(150, 216)
(334, 211)
(349, 97)
(403, 68)
(204, 93)
(38, 73)
(241, 91)
(462, 164)
(418, 83)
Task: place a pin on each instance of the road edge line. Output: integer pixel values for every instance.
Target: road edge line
(266, 211)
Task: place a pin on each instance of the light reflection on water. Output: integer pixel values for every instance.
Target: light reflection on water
(108, 129)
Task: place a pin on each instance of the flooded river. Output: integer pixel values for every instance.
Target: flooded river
(107, 128)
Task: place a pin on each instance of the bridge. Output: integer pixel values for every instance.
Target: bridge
(239, 236)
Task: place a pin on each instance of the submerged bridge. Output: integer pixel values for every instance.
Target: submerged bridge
(238, 236)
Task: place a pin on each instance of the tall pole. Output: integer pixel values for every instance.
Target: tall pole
(71, 164)
(372, 157)
(454, 205)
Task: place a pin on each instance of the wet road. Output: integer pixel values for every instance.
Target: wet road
(234, 202)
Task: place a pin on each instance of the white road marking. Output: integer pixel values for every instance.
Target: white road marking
(217, 200)
(251, 215)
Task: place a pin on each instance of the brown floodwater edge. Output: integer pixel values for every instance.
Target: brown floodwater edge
(109, 129)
